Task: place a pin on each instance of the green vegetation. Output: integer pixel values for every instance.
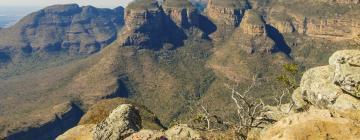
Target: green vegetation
(290, 76)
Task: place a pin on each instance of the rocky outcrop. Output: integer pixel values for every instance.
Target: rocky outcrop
(226, 15)
(67, 116)
(101, 110)
(334, 86)
(143, 24)
(150, 25)
(253, 24)
(325, 108)
(182, 132)
(121, 123)
(325, 23)
(313, 125)
(68, 28)
(178, 132)
(124, 122)
(182, 13)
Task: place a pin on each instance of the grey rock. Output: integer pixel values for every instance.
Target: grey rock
(347, 102)
(182, 132)
(121, 123)
(351, 57)
(297, 98)
(348, 78)
(317, 87)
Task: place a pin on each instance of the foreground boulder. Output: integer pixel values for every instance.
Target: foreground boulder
(102, 109)
(177, 132)
(124, 122)
(326, 104)
(121, 123)
(313, 125)
(335, 86)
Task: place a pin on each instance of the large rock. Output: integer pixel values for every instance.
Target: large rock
(313, 125)
(351, 57)
(81, 132)
(147, 135)
(317, 86)
(297, 98)
(102, 109)
(348, 78)
(347, 74)
(121, 123)
(346, 102)
(335, 86)
(182, 132)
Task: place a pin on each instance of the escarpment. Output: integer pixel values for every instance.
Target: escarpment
(182, 13)
(226, 15)
(62, 28)
(317, 19)
(151, 25)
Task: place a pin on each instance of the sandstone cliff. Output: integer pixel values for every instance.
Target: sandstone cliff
(319, 20)
(226, 15)
(151, 25)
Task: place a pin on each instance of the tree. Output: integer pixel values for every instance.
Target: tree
(249, 111)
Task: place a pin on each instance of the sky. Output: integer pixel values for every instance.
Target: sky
(43, 3)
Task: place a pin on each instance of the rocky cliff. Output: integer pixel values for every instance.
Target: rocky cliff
(226, 15)
(151, 25)
(69, 28)
(326, 104)
(316, 21)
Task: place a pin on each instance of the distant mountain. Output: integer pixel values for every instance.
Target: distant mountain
(69, 28)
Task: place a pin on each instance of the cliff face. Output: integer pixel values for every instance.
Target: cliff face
(150, 25)
(226, 15)
(182, 13)
(342, 24)
(143, 25)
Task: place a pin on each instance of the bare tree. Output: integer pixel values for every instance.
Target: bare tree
(249, 110)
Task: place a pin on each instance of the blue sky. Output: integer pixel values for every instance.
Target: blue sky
(43, 3)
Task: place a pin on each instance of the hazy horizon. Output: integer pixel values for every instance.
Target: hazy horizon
(44, 3)
(13, 10)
